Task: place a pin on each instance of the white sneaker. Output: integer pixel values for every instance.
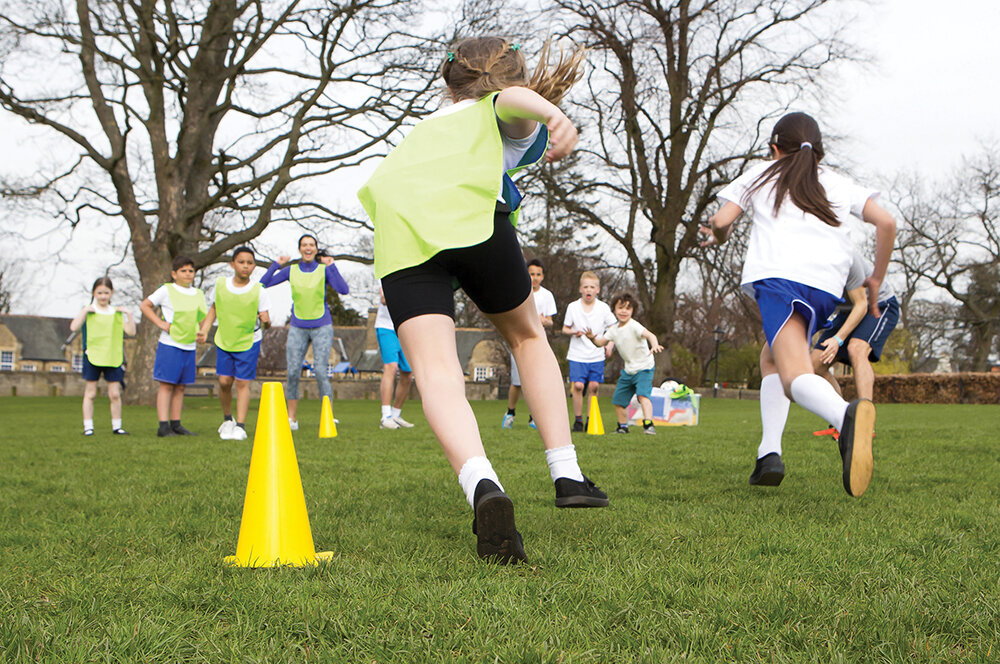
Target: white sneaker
(401, 422)
(239, 433)
(293, 424)
(226, 429)
(389, 423)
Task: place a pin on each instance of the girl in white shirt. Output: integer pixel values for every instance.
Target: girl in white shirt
(799, 210)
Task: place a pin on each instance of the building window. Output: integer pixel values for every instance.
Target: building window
(27, 367)
(7, 360)
(482, 374)
(57, 368)
(78, 362)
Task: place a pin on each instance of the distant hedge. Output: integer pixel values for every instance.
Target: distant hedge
(982, 388)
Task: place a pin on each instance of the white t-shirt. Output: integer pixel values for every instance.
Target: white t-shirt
(600, 317)
(263, 303)
(861, 268)
(514, 149)
(795, 245)
(161, 298)
(545, 301)
(631, 345)
(383, 321)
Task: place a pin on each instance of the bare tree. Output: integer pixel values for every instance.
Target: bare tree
(672, 86)
(199, 122)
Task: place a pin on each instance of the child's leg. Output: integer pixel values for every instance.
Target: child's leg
(403, 388)
(647, 408)
(790, 350)
(592, 388)
(242, 400)
(226, 395)
(578, 399)
(176, 402)
(621, 414)
(513, 396)
(115, 396)
(387, 384)
(322, 341)
(164, 395)
(89, 392)
(295, 351)
(773, 406)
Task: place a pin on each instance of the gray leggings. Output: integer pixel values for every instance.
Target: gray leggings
(295, 351)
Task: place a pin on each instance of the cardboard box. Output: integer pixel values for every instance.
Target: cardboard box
(667, 411)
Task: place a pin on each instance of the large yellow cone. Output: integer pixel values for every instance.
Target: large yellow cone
(594, 423)
(327, 427)
(275, 527)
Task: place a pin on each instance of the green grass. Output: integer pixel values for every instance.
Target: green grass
(111, 548)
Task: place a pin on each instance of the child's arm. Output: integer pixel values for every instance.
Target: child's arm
(885, 238)
(265, 319)
(146, 307)
(599, 341)
(569, 331)
(721, 224)
(77, 323)
(654, 343)
(206, 323)
(546, 320)
(518, 109)
(858, 311)
(128, 323)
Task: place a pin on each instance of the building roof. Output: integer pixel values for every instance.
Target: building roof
(41, 337)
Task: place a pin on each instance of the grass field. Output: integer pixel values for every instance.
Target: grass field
(111, 548)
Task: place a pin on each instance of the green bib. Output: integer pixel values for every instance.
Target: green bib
(237, 314)
(438, 188)
(189, 310)
(308, 292)
(105, 335)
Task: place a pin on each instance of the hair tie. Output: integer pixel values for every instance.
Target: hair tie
(515, 47)
(451, 56)
(805, 144)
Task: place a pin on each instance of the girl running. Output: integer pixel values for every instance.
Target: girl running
(444, 208)
(799, 210)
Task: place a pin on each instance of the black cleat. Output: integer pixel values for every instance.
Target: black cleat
(856, 446)
(120, 432)
(496, 537)
(570, 493)
(181, 431)
(621, 428)
(769, 471)
(578, 426)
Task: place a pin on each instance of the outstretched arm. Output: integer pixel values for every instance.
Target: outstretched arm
(721, 224)
(519, 109)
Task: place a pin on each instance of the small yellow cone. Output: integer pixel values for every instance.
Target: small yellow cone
(594, 423)
(275, 526)
(327, 427)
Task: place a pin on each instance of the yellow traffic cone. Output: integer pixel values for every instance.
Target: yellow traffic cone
(594, 423)
(327, 427)
(275, 527)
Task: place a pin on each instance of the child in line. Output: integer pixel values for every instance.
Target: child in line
(799, 212)
(182, 307)
(444, 207)
(393, 362)
(636, 345)
(545, 304)
(104, 329)
(586, 361)
(241, 307)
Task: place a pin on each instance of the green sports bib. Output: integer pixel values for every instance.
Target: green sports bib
(189, 310)
(308, 292)
(105, 334)
(237, 315)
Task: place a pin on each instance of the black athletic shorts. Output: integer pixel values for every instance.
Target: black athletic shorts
(493, 274)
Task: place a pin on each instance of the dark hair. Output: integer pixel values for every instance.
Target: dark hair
(478, 66)
(101, 281)
(242, 250)
(796, 172)
(624, 298)
(309, 235)
(181, 261)
(534, 262)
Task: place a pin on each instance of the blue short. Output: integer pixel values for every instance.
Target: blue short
(778, 299)
(388, 345)
(174, 365)
(640, 384)
(93, 373)
(241, 365)
(872, 330)
(586, 372)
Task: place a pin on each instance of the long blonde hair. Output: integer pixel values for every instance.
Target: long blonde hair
(478, 66)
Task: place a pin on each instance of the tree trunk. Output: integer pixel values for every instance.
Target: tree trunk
(142, 388)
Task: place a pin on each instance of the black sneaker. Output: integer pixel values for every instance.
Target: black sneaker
(578, 425)
(570, 493)
(120, 432)
(165, 432)
(181, 431)
(493, 524)
(649, 428)
(769, 471)
(856, 446)
(622, 428)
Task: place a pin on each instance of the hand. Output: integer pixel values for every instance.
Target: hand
(326, 260)
(710, 239)
(90, 309)
(578, 333)
(123, 310)
(830, 347)
(201, 337)
(165, 327)
(283, 260)
(589, 333)
(873, 286)
(656, 348)
(562, 136)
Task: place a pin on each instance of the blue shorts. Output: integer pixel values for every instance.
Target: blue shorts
(93, 373)
(173, 365)
(586, 372)
(778, 299)
(241, 365)
(640, 383)
(872, 330)
(388, 345)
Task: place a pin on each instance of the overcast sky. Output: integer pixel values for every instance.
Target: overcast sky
(932, 97)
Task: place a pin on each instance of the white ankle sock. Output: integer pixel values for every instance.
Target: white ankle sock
(396, 412)
(818, 397)
(562, 463)
(116, 424)
(386, 412)
(88, 424)
(773, 415)
(475, 469)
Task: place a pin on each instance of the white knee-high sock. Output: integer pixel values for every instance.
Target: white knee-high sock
(562, 463)
(475, 469)
(818, 397)
(773, 415)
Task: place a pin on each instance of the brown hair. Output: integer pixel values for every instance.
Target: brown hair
(101, 281)
(796, 172)
(478, 66)
(624, 298)
(181, 261)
